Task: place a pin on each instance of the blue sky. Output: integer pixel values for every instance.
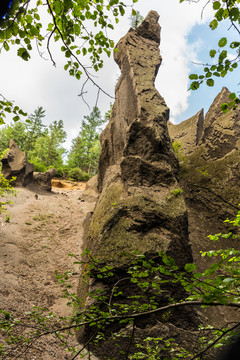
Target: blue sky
(185, 38)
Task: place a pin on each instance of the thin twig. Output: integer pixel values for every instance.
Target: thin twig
(216, 341)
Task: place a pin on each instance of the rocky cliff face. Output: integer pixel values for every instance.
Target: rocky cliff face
(210, 180)
(139, 207)
(138, 168)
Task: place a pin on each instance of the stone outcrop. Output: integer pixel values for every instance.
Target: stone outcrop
(188, 132)
(44, 180)
(137, 208)
(15, 164)
(137, 167)
(211, 180)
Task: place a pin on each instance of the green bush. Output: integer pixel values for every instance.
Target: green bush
(62, 172)
(39, 167)
(78, 174)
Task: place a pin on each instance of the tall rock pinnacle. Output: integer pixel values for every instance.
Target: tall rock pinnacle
(140, 207)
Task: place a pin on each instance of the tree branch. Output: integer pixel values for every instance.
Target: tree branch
(73, 55)
(215, 341)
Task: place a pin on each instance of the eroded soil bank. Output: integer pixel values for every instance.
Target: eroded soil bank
(44, 228)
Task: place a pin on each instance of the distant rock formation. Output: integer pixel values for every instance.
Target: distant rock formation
(15, 164)
(44, 180)
(138, 170)
(188, 132)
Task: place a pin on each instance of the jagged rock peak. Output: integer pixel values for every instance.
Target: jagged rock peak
(138, 123)
(150, 28)
(138, 174)
(188, 132)
(215, 109)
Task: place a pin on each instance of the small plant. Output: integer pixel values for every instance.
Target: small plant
(177, 145)
(6, 190)
(7, 217)
(176, 192)
(203, 172)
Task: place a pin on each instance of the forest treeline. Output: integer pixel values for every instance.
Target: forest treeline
(44, 144)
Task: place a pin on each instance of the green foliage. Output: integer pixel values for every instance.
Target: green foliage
(78, 28)
(136, 19)
(223, 11)
(6, 190)
(176, 192)
(177, 149)
(78, 174)
(85, 148)
(43, 145)
(7, 106)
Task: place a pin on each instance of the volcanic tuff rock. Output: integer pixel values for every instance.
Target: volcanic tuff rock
(210, 179)
(15, 164)
(138, 170)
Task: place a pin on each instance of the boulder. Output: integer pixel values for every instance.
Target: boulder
(14, 163)
(44, 180)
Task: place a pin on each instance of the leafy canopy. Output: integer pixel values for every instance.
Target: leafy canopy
(220, 62)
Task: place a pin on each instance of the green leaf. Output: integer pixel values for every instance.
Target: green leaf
(216, 5)
(210, 82)
(193, 77)
(6, 46)
(232, 96)
(194, 85)
(212, 53)
(224, 107)
(190, 267)
(23, 53)
(57, 7)
(213, 24)
(222, 42)
(234, 14)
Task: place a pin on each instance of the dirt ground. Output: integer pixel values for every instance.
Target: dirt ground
(43, 228)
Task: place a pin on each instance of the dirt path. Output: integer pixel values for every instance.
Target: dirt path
(44, 228)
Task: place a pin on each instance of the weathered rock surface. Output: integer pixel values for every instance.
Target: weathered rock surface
(44, 180)
(188, 132)
(137, 172)
(14, 163)
(210, 180)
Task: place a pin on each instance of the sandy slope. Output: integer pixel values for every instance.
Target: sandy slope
(42, 231)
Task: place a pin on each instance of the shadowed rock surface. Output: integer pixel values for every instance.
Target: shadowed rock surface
(138, 170)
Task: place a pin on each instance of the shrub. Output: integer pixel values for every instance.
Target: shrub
(78, 174)
(39, 167)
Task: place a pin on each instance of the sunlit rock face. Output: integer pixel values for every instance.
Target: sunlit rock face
(137, 167)
(210, 180)
(137, 209)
